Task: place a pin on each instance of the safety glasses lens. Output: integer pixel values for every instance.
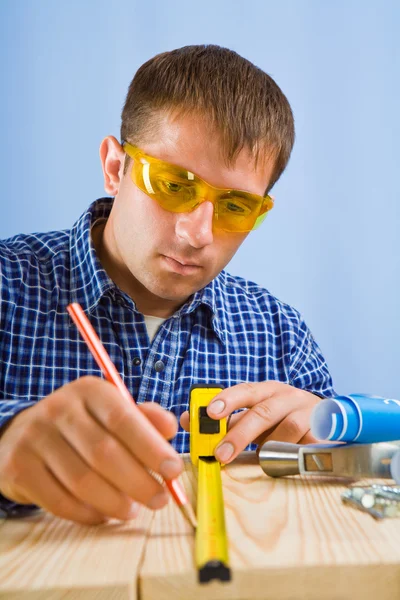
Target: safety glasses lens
(178, 190)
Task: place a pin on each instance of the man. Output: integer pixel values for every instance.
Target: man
(204, 136)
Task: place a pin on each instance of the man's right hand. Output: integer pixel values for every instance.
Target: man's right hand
(83, 453)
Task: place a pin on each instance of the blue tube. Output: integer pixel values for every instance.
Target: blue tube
(358, 418)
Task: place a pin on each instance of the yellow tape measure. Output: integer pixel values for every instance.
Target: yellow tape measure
(211, 548)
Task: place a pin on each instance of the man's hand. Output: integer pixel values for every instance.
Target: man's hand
(277, 411)
(84, 453)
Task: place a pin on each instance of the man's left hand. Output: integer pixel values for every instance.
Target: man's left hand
(276, 411)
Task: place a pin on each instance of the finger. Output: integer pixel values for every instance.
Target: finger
(254, 422)
(81, 481)
(308, 438)
(130, 426)
(163, 420)
(235, 418)
(232, 419)
(13, 494)
(37, 484)
(184, 420)
(105, 456)
(244, 395)
(135, 431)
(293, 428)
(264, 436)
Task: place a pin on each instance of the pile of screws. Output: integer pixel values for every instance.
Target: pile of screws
(380, 501)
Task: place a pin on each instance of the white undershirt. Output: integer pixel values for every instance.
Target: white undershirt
(153, 324)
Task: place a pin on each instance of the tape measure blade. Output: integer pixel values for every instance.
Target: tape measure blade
(211, 540)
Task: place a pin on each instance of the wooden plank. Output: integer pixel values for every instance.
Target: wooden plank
(289, 539)
(46, 558)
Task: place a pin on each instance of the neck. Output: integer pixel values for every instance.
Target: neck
(147, 303)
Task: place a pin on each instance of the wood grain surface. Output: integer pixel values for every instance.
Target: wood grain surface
(46, 558)
(288, 538)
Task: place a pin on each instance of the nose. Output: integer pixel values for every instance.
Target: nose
(196, 227)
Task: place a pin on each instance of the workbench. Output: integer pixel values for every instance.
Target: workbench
(289, 538)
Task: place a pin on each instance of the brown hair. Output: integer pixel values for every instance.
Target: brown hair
(243, 103)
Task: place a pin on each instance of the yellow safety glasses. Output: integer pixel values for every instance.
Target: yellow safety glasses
(178, 190)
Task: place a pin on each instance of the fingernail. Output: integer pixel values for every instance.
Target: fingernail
(224, 452)
(158, 501)
(170, 468)
(216, 407)
(134, 510)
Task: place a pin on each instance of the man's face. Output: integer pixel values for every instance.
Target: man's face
(161, 258)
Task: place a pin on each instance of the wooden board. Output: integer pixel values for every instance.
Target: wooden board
(46, 558)
(289, 539)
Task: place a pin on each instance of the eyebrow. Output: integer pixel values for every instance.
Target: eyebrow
(189, 175)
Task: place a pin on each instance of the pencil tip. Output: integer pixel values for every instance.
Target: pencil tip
(189, 515)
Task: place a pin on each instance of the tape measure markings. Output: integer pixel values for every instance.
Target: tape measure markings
(211, 545)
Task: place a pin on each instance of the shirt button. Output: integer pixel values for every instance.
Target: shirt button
(159, 366)
(136, 361)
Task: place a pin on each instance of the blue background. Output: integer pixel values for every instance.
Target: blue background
(330, 247)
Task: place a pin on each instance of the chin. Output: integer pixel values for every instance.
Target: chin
(175, 292)
(173, 287)
(178, 296)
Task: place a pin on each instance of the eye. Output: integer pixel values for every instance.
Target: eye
(235, 205)
(173, 187)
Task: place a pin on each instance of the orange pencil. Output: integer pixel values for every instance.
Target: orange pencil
(111, 374)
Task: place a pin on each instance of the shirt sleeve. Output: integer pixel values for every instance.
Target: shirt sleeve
(309, 370)
(10, 408)
(9, 508)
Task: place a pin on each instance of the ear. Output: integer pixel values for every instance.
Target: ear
(112, 159)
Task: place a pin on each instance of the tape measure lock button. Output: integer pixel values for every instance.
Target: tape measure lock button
(206, 423)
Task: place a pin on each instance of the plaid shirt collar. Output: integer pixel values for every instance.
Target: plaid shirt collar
(89, 281)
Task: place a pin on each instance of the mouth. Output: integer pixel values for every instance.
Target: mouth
(182, 267)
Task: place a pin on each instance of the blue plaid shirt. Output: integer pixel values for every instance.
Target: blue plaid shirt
(229, 332)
